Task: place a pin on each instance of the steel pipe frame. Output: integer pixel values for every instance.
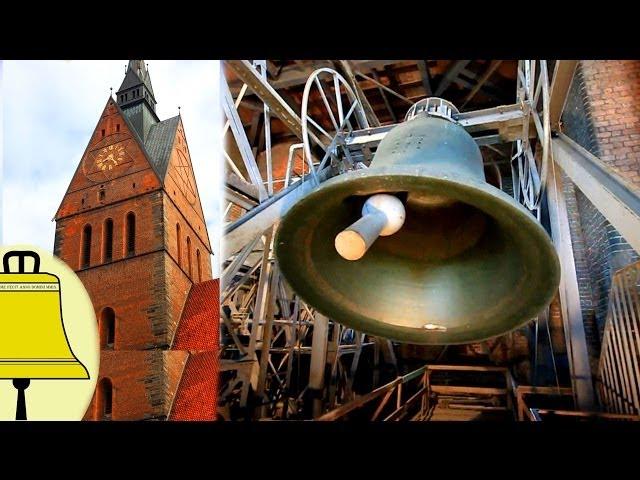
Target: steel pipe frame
(241, 139)
(233, 196)
(268, 287)
(577, 353)
(478, 120)
(269, 330)
(614, 197)
(362, 98)
(561, 82)
(260, 86)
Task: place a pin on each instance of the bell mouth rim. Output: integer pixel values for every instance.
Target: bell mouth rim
(501, 202)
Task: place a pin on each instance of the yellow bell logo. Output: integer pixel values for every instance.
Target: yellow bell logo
(33, 340)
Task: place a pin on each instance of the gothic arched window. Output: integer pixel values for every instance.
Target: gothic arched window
(107, 241)
(179, 243)
(104, 399)
(130, 234)
(189, 256)
(85, 254)
(198, 265)
(107, 328)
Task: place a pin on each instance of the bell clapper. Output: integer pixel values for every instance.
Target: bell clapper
(21, 385)
(382, 215)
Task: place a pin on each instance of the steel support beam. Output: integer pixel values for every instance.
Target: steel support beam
(616, 198)
(242, 141)
(362, 98)
(242, 186)
(579, 367)
(267, 334)
(500, 118)
(266, 215)
(249, 75)
(560, 84)
(318, 361)
(237, 198)
(259, 311)
(492, 118)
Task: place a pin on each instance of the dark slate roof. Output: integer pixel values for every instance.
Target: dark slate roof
(159, 143)
(137, 74)
(131, 79)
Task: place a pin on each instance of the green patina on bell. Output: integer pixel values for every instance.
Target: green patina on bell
(468, 264)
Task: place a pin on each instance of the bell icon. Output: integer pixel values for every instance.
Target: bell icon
(33, 341)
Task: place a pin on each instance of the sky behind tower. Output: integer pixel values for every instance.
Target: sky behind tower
(50, 109)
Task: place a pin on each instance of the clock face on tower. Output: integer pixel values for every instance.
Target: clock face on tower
(110, 157)
(107, 160)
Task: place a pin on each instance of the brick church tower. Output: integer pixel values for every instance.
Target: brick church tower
(132, 227)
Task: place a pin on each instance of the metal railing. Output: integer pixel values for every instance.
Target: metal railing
(384, 394)
(421, 396)
(619, 369)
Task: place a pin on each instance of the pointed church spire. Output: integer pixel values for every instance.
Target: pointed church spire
(136, 75)
(136, 99)
(139, 67)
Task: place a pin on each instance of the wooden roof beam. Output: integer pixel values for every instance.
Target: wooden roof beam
(485, 76)
(426, 78)
(452, 74)
(394, 119)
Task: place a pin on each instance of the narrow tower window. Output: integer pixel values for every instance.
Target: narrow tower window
(107, 241)
(107, 328)
(117, 127)
(85, 258)
(130, 234)
(103, 132)
(179, 243)
(189, 256)
(104, 400)
(198, 265)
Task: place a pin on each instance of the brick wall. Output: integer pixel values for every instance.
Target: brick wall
(144, 383)
(603, 116)
(147, 209)
(137, 382)
(613, 90)
(173, 217)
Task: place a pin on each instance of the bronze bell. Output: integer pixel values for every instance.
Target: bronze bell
(468, 262)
